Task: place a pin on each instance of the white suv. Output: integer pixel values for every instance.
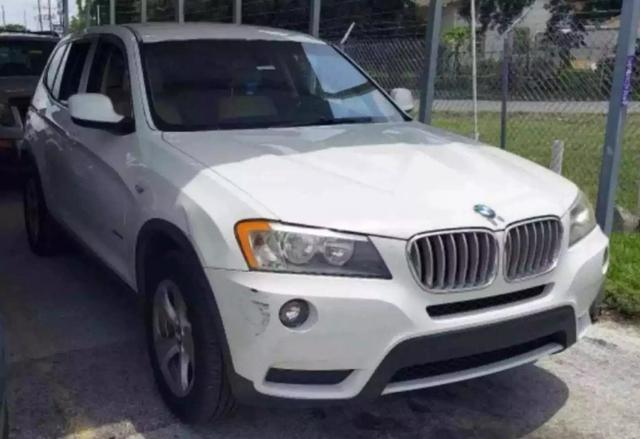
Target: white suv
(297, 237)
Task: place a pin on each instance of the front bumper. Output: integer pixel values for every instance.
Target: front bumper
(379, 333)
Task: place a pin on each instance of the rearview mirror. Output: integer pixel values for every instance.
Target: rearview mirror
(404, 98)
(94, 110)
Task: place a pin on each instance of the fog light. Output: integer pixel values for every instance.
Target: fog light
(294, 313)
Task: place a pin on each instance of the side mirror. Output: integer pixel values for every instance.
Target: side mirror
(404, 98)
(94, 110)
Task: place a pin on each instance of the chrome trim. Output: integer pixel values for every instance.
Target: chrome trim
(481, 269)
(547, 253)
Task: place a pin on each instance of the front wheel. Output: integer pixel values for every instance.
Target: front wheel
(40, 226)
(184, 344)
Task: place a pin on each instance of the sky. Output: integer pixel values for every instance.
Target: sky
(15, 11)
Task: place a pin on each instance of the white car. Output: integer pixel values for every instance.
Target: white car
(298, 238)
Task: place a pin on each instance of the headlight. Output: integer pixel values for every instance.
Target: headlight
(271, 246)
(583, 221)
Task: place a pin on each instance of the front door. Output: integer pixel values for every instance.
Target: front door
(103, 191)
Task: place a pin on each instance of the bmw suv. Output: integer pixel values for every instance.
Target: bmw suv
(297, 237)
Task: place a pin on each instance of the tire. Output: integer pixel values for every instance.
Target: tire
(184, 345)
(42, 230)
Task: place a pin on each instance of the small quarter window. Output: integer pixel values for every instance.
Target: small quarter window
(54, 66)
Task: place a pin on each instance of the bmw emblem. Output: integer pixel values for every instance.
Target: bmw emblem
(485, 211)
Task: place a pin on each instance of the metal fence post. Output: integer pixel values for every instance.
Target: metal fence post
(144, 13)
(557, 156)
(427, 83)
(237, 11)
(87, 13)
(314, 24)
(506, 66)
(620, 91)
(65, 16)
(112, 12)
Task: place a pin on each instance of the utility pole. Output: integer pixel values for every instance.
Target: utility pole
(40, 15)
(4, 18)
(50, 16)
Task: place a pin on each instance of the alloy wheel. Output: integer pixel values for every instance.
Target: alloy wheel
(173, 338)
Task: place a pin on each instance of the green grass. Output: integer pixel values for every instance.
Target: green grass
(623, 283)
(532, 134)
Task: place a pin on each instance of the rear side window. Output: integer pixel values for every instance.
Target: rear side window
(54, 65)
(73, 69)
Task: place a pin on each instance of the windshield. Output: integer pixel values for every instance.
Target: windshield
(229, 84)
(24, 57)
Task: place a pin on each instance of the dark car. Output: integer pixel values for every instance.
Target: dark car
(23, 57)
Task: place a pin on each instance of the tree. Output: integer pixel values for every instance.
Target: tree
(494, 14)
(455, 39)
(566, 26)
(79, 21)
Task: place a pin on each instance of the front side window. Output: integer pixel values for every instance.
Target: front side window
(24, 57)
(110, 76)
(230, 84)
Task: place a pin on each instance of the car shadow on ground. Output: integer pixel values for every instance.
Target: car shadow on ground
(79, 364)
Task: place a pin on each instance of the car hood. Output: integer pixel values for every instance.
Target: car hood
(394, 179)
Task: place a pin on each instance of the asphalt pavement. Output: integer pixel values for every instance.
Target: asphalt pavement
(78, 369)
